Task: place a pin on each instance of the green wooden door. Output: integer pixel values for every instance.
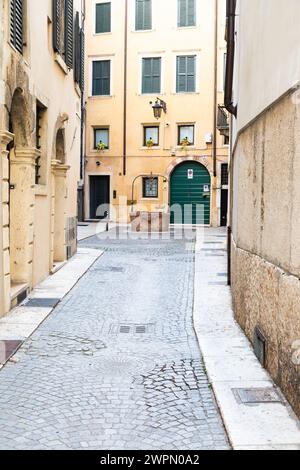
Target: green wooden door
(190, 194)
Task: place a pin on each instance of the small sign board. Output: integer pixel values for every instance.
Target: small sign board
(190, 174)
(206, 188)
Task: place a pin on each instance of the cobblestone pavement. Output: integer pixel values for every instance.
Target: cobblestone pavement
(117, 364)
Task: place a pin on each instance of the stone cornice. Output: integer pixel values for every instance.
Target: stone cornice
(5, 138)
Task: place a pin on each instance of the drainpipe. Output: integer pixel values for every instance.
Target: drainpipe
(215, 89)
(230, 39)
(125, 91)
(81, 214)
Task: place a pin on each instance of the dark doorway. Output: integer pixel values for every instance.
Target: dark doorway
(99, 197)
(224, 207)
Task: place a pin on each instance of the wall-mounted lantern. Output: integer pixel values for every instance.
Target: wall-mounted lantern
(158, 107)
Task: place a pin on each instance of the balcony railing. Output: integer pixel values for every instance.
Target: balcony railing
(223, 121)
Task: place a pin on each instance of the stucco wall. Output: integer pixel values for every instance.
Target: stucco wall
(37, 75)
(266, 228)
(268, 54)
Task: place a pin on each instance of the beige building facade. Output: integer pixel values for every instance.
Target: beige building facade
(40, 121)
(265, 194)
(168, 54)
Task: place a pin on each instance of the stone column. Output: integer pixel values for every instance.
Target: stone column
(59, 210)
(5, 138)
(22, 201)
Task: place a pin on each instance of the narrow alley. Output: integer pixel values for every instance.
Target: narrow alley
(117, 364)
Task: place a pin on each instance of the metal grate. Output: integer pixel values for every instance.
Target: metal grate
(131, 328)
(252, 396)
(124, 329)
(259, 344)
(42, 302)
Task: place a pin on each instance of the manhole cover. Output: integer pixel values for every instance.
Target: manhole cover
(252, 396)
(42, 302)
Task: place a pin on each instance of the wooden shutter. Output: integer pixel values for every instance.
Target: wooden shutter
(143, 12)
(16, 24)
(82, 64)
(151, 75)
(77, 51)
(186, 74)
(56, 29)
(101, 78)
(191, 74)
(103, 17)
(186, 13)
(69, 32)
(191, 13)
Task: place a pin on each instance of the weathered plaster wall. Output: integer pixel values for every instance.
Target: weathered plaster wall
(266, 238)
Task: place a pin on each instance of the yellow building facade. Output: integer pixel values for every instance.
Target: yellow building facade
(167, 54)
(40, 123)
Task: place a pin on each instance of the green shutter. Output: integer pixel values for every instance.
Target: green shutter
(16, 24)
(69, 33)
(186, 74)
(151, 79)
(191, 13)
(143, 15)
(101, 78)
(186, 13)
(103, 17)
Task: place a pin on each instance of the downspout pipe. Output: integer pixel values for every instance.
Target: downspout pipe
(216, 38)
(230, 39)
(125, 91)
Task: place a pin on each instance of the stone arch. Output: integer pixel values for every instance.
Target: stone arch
(20, 119)
(205, 161)
(60, 150)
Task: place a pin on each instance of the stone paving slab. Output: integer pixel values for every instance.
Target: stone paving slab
(231, 363)
(83, 382)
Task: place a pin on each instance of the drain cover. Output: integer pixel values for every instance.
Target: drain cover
(42, 302)
(8, 348)
(131, 328)
(252, 396)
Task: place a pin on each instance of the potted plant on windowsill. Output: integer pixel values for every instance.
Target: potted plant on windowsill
(149, 143)
(101, 146)
(185, 143)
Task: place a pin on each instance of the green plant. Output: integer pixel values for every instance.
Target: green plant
(101, 146)
(185, 143)
(150, 143)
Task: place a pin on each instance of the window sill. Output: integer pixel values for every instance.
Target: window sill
(61, 63)
(155, 147)
(150, 199)
(41, 190)
(178, 93)
(106, 33)
(187, 27)
(143, 30)
(103, 97)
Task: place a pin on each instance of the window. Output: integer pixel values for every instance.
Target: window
(41, 143)
(101, 78)
(224, 174)
(186, 74)
(151, 81)
(186, 13)
(63, 29)
(101, 136)
(79, 47)
(103, 17)
(186, 132)
(143, 15)
(150, 187)
(151, 134)
(16, 24)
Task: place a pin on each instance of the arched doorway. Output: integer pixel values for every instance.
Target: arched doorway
(59, 198)
(21, 190)
(190, 194)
